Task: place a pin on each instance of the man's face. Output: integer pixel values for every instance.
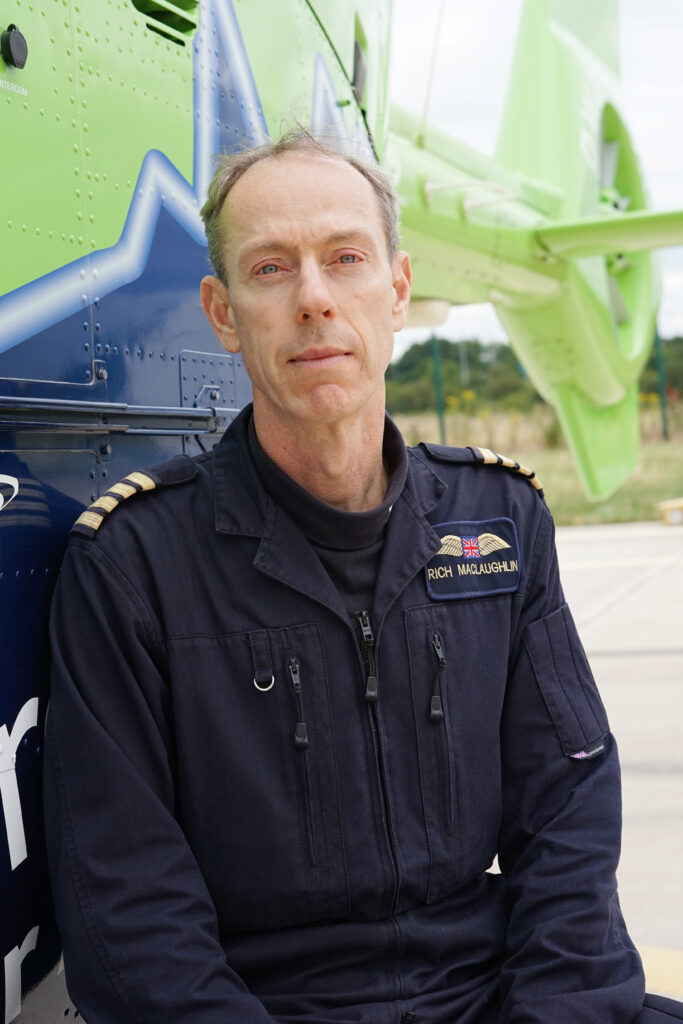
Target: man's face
(313, 301)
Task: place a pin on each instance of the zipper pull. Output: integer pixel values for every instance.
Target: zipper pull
(300, 733)
(436, 707)
(369, 646)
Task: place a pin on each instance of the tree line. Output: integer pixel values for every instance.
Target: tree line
(477, 376)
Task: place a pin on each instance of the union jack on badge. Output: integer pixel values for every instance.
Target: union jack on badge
(470, 547)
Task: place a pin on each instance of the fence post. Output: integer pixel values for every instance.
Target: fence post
(661, 383)
(438, 387)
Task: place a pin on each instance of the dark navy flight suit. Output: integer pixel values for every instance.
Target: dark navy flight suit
(260, 808)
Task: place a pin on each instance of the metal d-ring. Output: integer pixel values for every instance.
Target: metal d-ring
(264, 689)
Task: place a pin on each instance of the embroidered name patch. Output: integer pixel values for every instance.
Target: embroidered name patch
(474, 560)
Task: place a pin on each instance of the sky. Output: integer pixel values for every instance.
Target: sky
(473, 59)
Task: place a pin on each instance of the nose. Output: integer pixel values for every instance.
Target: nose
(314, 298)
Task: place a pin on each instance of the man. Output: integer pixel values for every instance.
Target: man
(309, 684)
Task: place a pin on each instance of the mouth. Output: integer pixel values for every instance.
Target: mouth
(319, 356)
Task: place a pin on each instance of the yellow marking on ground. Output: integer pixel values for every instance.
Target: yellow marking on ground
(663, 970)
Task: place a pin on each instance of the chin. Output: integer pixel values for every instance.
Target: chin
(329, 402)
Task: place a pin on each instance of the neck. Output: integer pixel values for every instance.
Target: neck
(339, 463)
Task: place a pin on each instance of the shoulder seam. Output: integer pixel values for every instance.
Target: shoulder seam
(90, 520)
(446, 453)
(478, 456)
(125, 585)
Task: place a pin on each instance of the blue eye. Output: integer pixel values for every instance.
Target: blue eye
(348, 257)
(268, 268)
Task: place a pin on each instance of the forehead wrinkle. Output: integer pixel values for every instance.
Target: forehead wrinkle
(244, 206)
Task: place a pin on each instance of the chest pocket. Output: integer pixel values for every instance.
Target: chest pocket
(252, 715)
(457, 684)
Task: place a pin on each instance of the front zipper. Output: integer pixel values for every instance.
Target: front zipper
(301, 745)
(368, 643)
(367, 639)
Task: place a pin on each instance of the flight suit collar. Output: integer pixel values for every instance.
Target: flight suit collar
(410, 540)
(243, 507)
(240, 501)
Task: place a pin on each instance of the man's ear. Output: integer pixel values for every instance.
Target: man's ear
(402, 278)
(215, 300)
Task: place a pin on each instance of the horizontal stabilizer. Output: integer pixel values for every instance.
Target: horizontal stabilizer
(604, 236)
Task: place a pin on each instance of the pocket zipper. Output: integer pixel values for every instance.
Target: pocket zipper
(301, 744)
(436, 706)
(301, 732)
(436, 714)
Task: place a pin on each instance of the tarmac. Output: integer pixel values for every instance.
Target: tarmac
(624, 584)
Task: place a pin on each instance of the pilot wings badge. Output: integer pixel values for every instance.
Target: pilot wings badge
(471, 547)
(474, 560)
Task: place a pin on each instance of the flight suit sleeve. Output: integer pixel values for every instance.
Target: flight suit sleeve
(569, 959)
(138, 925)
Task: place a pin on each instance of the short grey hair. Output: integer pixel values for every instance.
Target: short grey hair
(231, 166)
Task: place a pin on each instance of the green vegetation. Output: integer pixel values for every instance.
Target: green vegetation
(673, 365)
(490, 403)
(658, 477)
(478, 377)
(474, 376)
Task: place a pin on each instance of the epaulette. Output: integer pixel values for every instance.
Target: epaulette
(176, 471)
(490, 458)
(485, 456)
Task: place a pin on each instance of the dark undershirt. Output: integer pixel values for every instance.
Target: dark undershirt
(349, 544)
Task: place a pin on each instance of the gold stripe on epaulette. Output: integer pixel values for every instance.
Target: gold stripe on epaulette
(491, 458)
(91, 519)
(134, 483)
(142, 480)
(107, 502)
(125, 490)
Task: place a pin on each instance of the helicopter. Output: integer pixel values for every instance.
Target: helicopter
(115, 111)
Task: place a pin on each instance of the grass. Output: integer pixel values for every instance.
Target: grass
(658, 477)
